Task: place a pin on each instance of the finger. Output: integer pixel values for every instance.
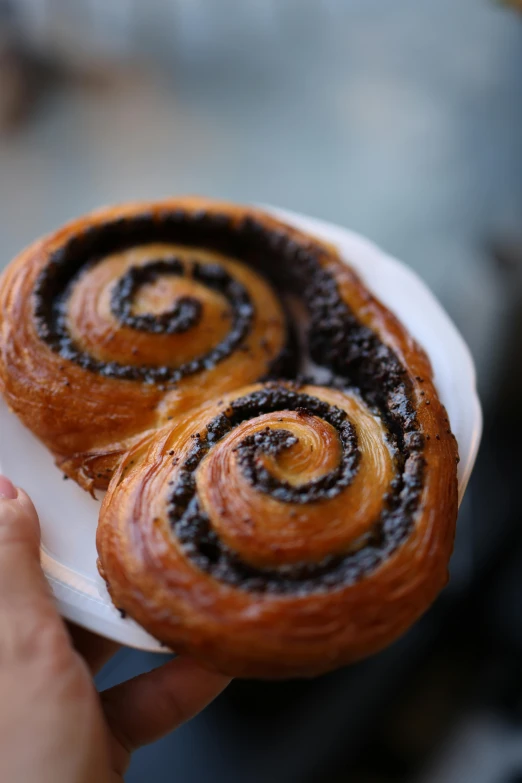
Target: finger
(94, 649)
(27, 609)
(20, 572)
(145, 708)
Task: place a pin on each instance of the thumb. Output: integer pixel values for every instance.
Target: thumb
(26, 605)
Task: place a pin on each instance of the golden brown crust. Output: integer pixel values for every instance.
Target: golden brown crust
(276, 585)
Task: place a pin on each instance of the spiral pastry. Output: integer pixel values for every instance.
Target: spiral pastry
(281, 531)
(270, 528)
(125, 318)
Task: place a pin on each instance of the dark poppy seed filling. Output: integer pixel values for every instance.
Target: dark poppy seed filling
(199, 541)
(185, 314)
(273, 441)
(336, 340)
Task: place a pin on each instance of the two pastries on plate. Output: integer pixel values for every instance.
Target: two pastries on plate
(268, 525)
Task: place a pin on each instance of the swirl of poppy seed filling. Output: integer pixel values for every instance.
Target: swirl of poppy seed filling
(185, 314)
(273, 441)
(192, 525)
(356, 357)
(187, 310)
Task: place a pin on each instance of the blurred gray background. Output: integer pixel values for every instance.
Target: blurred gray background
(401, 120)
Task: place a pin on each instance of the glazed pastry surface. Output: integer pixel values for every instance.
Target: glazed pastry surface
(266, 524)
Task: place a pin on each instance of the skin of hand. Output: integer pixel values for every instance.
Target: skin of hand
(54, 726)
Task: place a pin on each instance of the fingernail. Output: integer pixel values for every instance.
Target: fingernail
(8, 491)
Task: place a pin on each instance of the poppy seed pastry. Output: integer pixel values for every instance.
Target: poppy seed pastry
(265, 523)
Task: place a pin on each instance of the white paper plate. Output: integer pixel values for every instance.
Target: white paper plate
(68, 515)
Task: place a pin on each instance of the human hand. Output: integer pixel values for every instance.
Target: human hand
(54, 726)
